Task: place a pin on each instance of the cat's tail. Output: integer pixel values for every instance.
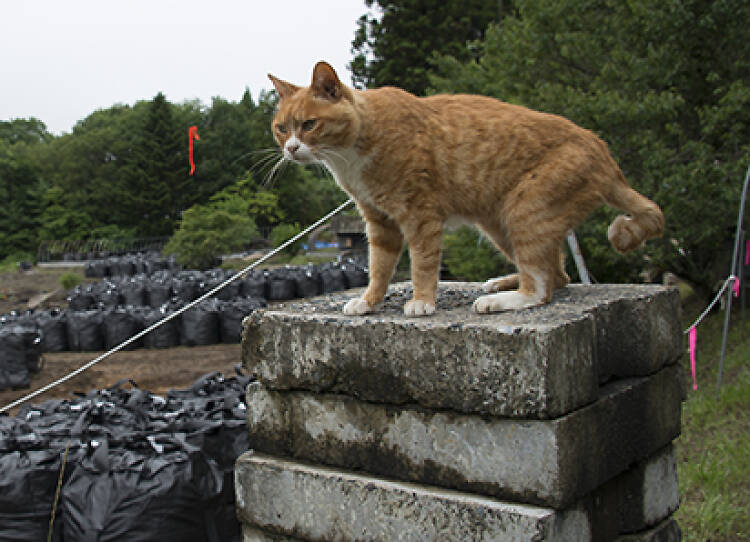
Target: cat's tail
(645, 221)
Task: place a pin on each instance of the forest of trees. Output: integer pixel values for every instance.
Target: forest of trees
(666, 83)
(123, 173)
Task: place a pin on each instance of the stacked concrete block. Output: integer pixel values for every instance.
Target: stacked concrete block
(550, 423)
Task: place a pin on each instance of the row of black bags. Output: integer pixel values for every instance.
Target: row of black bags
(137, 466)
(159, 287)
(129, 264)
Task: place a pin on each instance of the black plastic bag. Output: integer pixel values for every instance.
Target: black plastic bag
(254, 285)
(232, 314)
(332, 280)
(280, 284)
(80, 299)
(28, 482)
(200, 324)
(158, 291)
(355, 275)
(186, 289)
(96, 269)
(85, 332)
(53, 330)
(169, 494)
(121, 324)
(307, 282)
(166, 335)
(133, 292)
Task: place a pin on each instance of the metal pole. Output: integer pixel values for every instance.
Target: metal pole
(575, 250)
(732, 271)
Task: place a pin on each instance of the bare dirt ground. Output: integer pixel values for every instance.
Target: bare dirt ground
(155, 370)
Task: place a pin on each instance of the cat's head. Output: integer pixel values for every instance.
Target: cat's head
(317, 120)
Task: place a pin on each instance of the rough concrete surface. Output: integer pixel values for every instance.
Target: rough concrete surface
(541, 362)
(321, 504)
(637, 500)
(545, 462)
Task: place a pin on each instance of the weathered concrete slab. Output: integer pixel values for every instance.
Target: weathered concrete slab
(640, 502)
(539, 363)
(637, 500)
(546, 462)
(316, 503)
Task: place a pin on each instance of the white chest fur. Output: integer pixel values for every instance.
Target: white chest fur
(347, 166)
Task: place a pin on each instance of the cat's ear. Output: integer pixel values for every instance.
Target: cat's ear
(325, 82)
(282, 87)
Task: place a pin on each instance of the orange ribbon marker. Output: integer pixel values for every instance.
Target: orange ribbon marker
(192, 133)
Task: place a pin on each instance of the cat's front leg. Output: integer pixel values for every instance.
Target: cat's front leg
(385, 243)
(425, 239)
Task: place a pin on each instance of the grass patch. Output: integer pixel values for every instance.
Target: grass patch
(713, 452)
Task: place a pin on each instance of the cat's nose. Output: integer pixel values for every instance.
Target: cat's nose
(292, 148)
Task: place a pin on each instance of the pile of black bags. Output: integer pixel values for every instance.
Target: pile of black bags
(137, 467)
(103, 314)
(163, 285)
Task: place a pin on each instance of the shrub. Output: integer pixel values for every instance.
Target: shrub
(70, 280)
(283, 232)
(208, 231)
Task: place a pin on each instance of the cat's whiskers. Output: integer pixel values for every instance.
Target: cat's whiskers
(281, 163)
(269, 150)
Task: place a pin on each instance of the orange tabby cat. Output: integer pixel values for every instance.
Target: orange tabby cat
(412, 164)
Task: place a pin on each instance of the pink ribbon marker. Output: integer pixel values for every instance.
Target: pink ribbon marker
(692, 341)
(736, 287)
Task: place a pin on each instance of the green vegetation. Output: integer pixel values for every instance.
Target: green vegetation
(70, 280)
(282, 233)
(123, 172)
(395, 48)
(713, 453)
(470, 256)
(207, 231)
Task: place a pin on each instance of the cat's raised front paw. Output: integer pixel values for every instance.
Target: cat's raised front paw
(417, 307)
(357, 307)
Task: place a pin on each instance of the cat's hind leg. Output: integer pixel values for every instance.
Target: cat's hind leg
(534, 289)
(499, 236)
(539, 275)
(501, 284)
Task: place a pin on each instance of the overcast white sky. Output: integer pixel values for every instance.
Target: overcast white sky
(61, 60)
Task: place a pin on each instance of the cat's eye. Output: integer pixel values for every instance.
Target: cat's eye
(281, 128)
(309, 124)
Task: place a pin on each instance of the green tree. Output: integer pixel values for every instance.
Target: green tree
(20, 189)
(395, 46)
(665, 83)
(152, 195)
(29, 131)
(208, 231)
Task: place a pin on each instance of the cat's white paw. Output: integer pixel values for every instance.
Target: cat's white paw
(417, 307)
(504, 301)
(357, 307)
(491, 285)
